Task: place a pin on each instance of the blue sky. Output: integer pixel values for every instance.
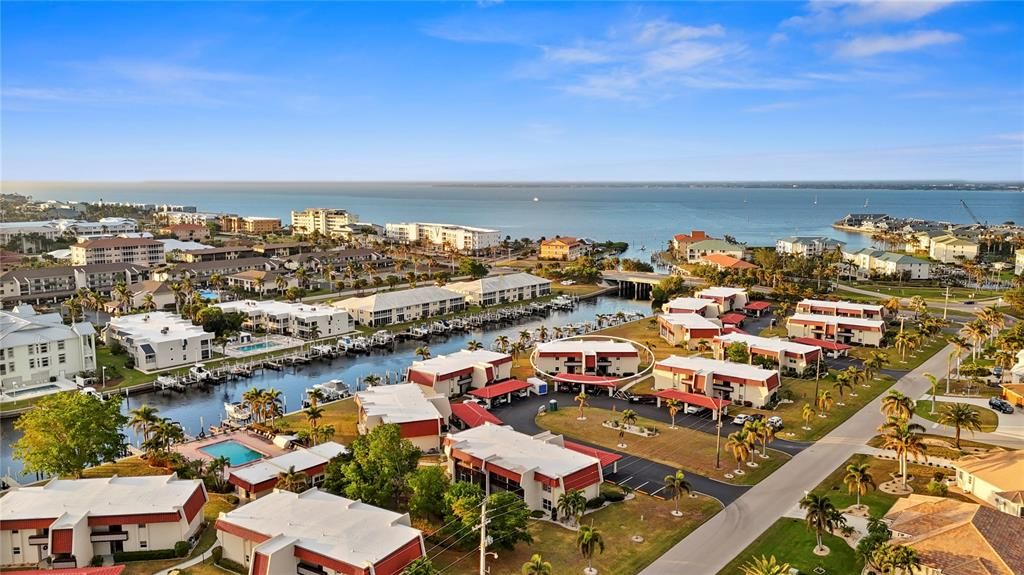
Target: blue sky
(513, 91)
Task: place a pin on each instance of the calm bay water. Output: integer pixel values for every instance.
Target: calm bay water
(641, 215)
(197, 408)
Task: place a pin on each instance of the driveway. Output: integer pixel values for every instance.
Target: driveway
(1009, 433)
(639, 474)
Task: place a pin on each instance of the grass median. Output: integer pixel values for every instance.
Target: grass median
(790, 541)
(989, 419)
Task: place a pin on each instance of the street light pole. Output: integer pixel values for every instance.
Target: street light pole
(103, 378)
(718, 437)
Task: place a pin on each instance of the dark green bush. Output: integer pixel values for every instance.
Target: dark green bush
(181, 548)
(97, 561)
(126, 556)
(596, 502)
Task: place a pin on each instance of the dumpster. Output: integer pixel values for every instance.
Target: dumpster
(553, 405)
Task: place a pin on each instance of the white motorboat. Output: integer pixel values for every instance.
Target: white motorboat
(237, 411)
(199, 372)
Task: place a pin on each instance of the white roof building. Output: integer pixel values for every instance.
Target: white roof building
(462, 238)
(699, 305)
(502, 288)
(720, 292)
(295, 319)
(845, 308)
(403, 403)
(706, 366)
(587, 346)
(861, 322)
(386, 308)
(283, 531)
(261, 477)
(775, 345)
(690, 321)
(511, 450)
(458, 372)
(35, 347)
(159, 340)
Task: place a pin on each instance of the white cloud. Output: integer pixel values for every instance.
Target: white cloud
(684, 56)
(576, 55)
(772, 107)
(164, 73)
(667, 31)
(827, 14)
(867, 46)
(778, 38)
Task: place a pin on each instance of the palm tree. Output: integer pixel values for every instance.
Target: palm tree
(542, 332)
(123, 296)
(571, 504)
(501, 343)
(820, 515)
(272, 404)
(764, 566)
(291, 480)
(858, 479)
(147, 302)
(873, 364)
(755, 431)
(216, 470)
(739, 443)
(895, 404)
(825, 403)
(960, 416)
(143, 420)
(536, 566)
(371, 379)
(674, 405)
(807, 414)
(524, 337)
(423, 352)
(905, 440)
(314, 413)
(993, 318)
(473, 345)
(581, 399)
(855, 376)
(589, 541)
(976, 332)
(677, 484)
(628, 418)
(903, 340)
(892, 305)
(960, 345)
(842, 383)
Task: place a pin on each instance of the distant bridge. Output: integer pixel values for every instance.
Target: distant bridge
(637, 285)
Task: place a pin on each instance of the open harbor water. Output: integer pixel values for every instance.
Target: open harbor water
(200, 407)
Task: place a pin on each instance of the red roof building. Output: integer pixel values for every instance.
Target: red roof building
(733, 318)
(736, 382)
(757, 308)
(472, 414)
(455, 374)
(727, 262)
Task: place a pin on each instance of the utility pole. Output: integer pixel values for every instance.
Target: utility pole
(718, 438)
(483, 537)
(945, 306)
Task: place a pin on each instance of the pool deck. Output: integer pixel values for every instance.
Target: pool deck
(192, 449)
(275, 343)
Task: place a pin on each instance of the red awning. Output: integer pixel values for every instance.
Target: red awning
(757, 305)
(505, 387)
(111, 570)
(693, 398)
(732, 329)
(606, 457)
(829, 345)
(732, 318)
(594, 380)
(474, 415)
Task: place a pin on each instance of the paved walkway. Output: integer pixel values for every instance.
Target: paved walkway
(193, 561)
(708, 549)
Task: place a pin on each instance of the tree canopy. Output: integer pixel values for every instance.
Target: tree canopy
(377, 469)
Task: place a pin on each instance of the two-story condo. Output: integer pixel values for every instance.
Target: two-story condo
(419, 412)
(70, 521)
(736, 382)
(160, 340)
(727, 298)
(785, 353)
(462, 238)
(55, 283)
(316, 533)
(301, 320)
(537, 468)
(457, 373)
(839, 329)
(588, 357)
(688, 329)
(492, 290)
(260, 478)
(386, 308)
(697, 305)
(807, 246)
(840, 308)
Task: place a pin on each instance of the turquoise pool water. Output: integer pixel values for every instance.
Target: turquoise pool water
(31, 390)
(207, 294)
(256, 346)
(236, 453)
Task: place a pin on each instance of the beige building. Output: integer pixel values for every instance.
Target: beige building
(950, 249)
(420, 413)
(845, 330)
(294, 319)
(254, 225)
(261, 281)
(727, 298)
(139, 251)
(462, 238)
(996, 478)
(38, 349)
(840, 308)
(56, 283)
(326, 221)
(696, 251)
(187, 232)
(564, 249)
(697, 305)
(787, 354)
(390, 307)
(735, 382)
(505, 288)
(161, 292)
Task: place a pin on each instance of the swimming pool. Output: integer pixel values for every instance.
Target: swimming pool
(207, 294)
(249, 347)
(237, 453)
(31, 390)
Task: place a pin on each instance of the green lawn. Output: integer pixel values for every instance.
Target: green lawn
(645, 516)
(790, 541)
(128, 467)
(683, 448)
(905, 361)
(929, 292)
(989, 418)
(342, 414)
(578, 290)
(645, 331)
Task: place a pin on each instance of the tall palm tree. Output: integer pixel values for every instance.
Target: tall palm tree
(501, 343)
(873, 364)
(628, 418)
(842, 383)
(859, 479)
(589, 541)
(975, 332)
(677, 484)
(764, 566)
(147, 302)
(581, 399)
(905, 440)
(902, 341)
(473, 345)
(820, 515)
(314, 413)
(674, 405)
(755, 431)
(123, 296)
(281, 283)
(536, 566)
(825, 402)
(571, 504)
(291, 480)
(423, 352)
(143, 420)
(934, 381)
(960, 416)
(216, 470)
(992, 318)
(739, 443)
(524, 337)
(895, 404)
(960, 345)
(542, 332)
(807, 414)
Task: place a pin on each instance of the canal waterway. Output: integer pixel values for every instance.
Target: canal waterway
(198, 408)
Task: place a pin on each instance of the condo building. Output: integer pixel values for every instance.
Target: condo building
(950, 249)
(587, 357)
(138, 251)
(37, 285)
(390, 307)
(727, 298)
(201, 272)
(37, 349)
(695, 252)
(419, 412)
(294, 319)
(785, 353)
(688, 330)
(187, 232)
(735, 382)
(254, 225)
(325, 221)
(844, 330)
(70, 521)
(462, 238)
(869, 262)
(840, 308)
(807, 246)
(316, 533)
(697, 305)
(492, 290)
(457, 373)
(260, 478)
(160, 340)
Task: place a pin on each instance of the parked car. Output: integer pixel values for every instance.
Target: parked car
(479, 402)
(741, 419)
(640, 398)
(1000, 405)
(968, 301)
(997, 372)
(568, 282)
(775, 422)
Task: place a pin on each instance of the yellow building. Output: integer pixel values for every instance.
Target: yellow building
(564, 249)
(250, 225)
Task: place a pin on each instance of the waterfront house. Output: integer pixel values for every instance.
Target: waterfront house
(419, 412)
(997, 478)
(697, 305)
(138, 251)
(465, 239)
(564, 249)
(783, 352)
(316, 533)
(696, 251)
(491, 290)
(37, 285)
(840, 308)
(37, 350)
(680, 242)
(70, 521)
(807, 246)
(260, 478)
(587, 357)
(735, 382)
(727, 298)
(537, 468)
(391, 307)
(726, 262)
(845, 330)
(457, 373)
(294, 319)
(950, 249)
(160, 340)
(871, 263)
(261, 282)
(688, 330)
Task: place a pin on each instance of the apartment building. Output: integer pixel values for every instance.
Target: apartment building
(325, 221)
(160, 292)
(70, 521)
(294, 319)
(950, 249)
(462, 238)
(339, 258)
(538, 468)
(262, 281)
(255, 225)
(391, 307)
(218, 254)
(807, 246)
(845, 330)
(201, 272)
(37, 285)
(726, 298)
(316, 533)
(688, 330)
(492, 290)
(840, 308)
(419, 412)
(735, 382)
(282, 249)
(680, 242)
(697, 305)
(187, 232)
(785, 353)
(697, 251)
(138, 251)
(869, 262)
(36, 349)
(160, 340)
(564, 249)
(457, 373)
(587, 357)
(260, 478)
(181, 217)
(10, 230)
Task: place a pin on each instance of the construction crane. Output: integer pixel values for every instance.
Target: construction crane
(969, 211)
